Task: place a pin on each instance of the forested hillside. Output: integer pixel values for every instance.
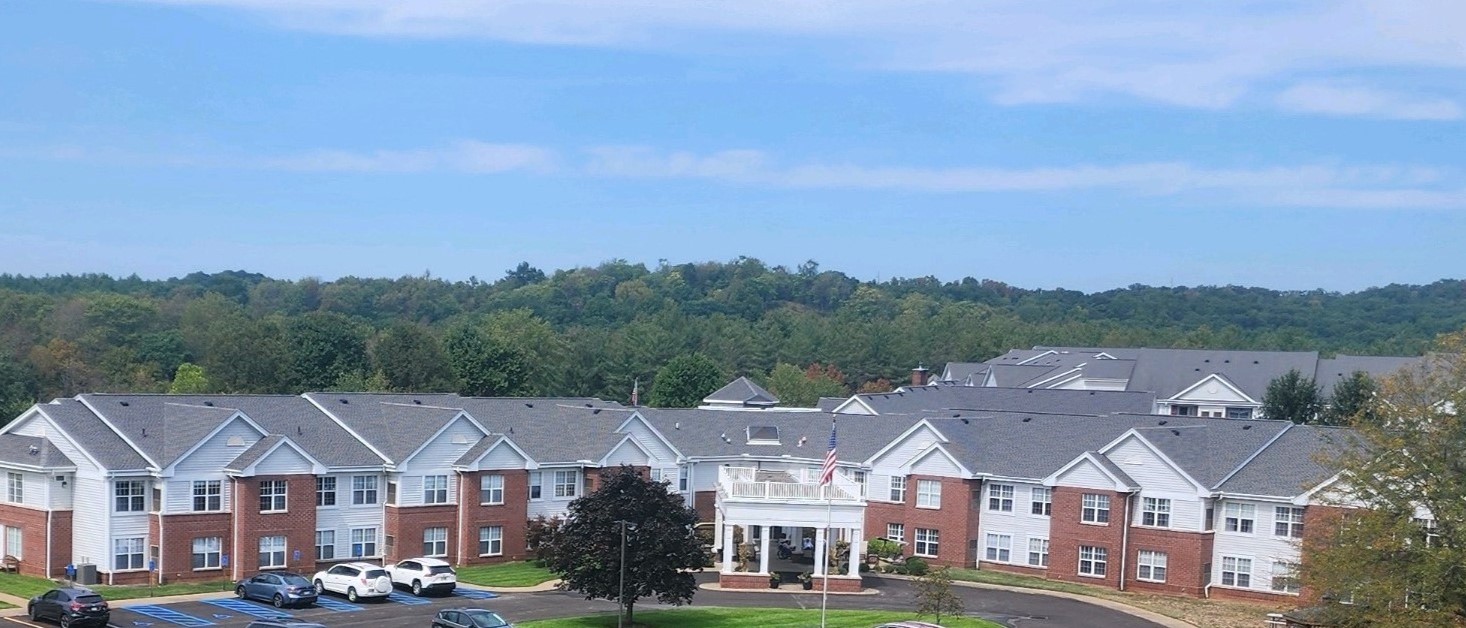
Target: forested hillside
(593, 331)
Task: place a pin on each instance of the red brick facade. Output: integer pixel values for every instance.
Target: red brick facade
(1187, 556)
(61, 522)
(1067, 533)
(955, 522)
(297, 524)
(32, 523)
(405, 526)
(706, 504)
(510, 515)
(178, 534)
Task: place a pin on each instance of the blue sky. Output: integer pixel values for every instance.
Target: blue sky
(1076, 144)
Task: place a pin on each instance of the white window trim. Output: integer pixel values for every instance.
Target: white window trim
(570, 488)
(431, 495)
(491, 490)
(901, 538)
(365, 542)
(933, 494)
(320, 545)
(1221, 574)
(481, 539)
(1004, 494)
(1162, 506)
(284, 552)
(142, 546)
(1250, 518)
(283, 495)
(212, 489)
(1043, 553)
(435, 541)
(993, 548)
(1158, 560)
(897, 489)
(335, 491)
(365, 490)
(536, 481)
(217, 552)
(1094, 561)
(1048, 502)
(1084, 511)
(917, 544)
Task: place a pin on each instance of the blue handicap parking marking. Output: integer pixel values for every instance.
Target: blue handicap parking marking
(335, 605)
(475, 594)
(247, 608)
(403, 598)
(169, 615)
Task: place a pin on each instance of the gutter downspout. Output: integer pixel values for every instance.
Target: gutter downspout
(461, 505)
(1125, 540)
(162, 546)
(48, 539)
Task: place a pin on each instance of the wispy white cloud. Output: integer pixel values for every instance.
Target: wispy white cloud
(463, 156)
(1354, 100)
(1190, 54)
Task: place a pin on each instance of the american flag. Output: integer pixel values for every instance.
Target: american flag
(827, 472)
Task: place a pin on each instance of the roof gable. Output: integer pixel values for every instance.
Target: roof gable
(1094, 470)
(1214, 387)
(742, 392)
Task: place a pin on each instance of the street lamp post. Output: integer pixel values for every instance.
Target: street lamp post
(621, 602)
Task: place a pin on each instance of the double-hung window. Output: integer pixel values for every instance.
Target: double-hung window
(435, 489)
(206, 552)
(1041, 500)
(435, 542)
(928, 494)
(491, 540)
(1038, 552)
(566, 482)
(14, 488)
(1000, 497)
(1093, 561)
(1288, 521)
(1095, 509)
(1238, 517)
(896, 532)
(1156, 512)
(207, 495)
(491, 489)
(898, 488)
(1000, 548)
(536, 482)
(1151, 566)
(363, 542)
(325, 544)
(926, 542)
(682, 479)
(1236, 572)
(127, 553)
(129, 495)
(325, 491)
(272, 496)
(363, 490)
(1285, 577)
(272, 552)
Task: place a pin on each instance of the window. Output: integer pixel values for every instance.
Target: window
(491, 540)
(435, 489)
(14, 542)
(128, 495)
(272, 496)
(206, 552)
(859, 478)
(207, 495)
(682, 479)
(534, 484)
(1285, 577)
(928, 494)
(898, 488)
(1288, 521)
(1238, 517)
(896, 532)
(1151, 566)
(435, 542)
(15, 483)
(127, 554)
(1155, 511)
(1236, 572)
(926, 542)
(1178, 410)
(325, 544)
(1095, 509)
(1239, 413)
(1000, 548)
(391, 492)
(1041, 501)
(491, 489)
(272, 552)
(1093, 560)
(363, 542)
(1000, 497)
(325, 491)
(658, 476)
(566, 482)
(1038, 552)
(363, 490)
(1428, 530)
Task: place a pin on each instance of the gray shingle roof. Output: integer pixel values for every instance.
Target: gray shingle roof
(963, 372)
(931, 399)
(254, 453)
(32, 451)
(742, 391)
(1209, 451)
(1167, 372)
(828, 404)
(1034, 445)
(1293, 464)
(1333, 370)
(92, 435)
(1115, 470)
(700, 433)
(395, 424)
(552, 430)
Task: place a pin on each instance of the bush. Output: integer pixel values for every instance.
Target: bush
(884, 548)
(864, 567)
(916, 567)
(539, 535)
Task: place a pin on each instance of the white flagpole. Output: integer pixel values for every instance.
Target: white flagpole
(825, 590)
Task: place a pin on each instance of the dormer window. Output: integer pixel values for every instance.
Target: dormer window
(763, 435)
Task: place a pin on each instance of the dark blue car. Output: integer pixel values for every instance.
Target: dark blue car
(280, 588)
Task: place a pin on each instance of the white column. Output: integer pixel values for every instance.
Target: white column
(855, 536)
(727, 533)
(819, 551)
(763, 549)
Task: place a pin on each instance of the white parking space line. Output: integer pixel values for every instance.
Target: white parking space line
(23, 622)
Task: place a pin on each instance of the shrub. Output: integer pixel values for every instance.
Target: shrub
(884, 548)
(539, 535)
(864, 567)
(916, 566)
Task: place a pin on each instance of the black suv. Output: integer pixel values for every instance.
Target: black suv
(70, 606)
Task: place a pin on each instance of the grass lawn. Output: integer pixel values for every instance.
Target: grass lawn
(24, 586)
(749, 618)
(520, 574)
(134, 591)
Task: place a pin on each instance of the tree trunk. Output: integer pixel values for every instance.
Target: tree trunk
(629, 622)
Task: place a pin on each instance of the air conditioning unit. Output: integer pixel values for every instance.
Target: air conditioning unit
(86, 573)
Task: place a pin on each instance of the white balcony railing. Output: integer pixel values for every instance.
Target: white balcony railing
(785, 485)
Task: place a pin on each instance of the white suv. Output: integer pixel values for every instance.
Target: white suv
(354, 580)
(423, 575)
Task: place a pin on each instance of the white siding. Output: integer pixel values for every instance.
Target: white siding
(895, 459)
(1021, 523)
(627, 453)
(935, 463)
(91, 542)
(1213, 390)
(502, 456)
(649, 440)
(178, 494)
(1086, 475)
(437, 458)
(1261, 545)
(1158, 479)
(32, 491)
(705, 476)
(344, 516)
(60, 494)
(207, 463)
(285, 461)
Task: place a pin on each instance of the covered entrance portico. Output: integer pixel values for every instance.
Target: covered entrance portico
(762, 506)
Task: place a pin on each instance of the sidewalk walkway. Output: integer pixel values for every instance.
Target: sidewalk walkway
(1168, 622)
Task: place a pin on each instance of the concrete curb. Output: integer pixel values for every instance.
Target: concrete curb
(713, 586)
(1164, 620)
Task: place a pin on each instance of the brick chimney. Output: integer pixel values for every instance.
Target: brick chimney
(635, 393)
(918, 375)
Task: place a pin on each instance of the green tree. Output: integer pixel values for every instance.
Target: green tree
(16, 392)
(483, 365)
(1353, 400)
(934, 594)
(803, 388)
(321, 348)
(1292, 397)
(189, 380)
(685, 381)
(410, 359)
(1396, 540)
(659, 546)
